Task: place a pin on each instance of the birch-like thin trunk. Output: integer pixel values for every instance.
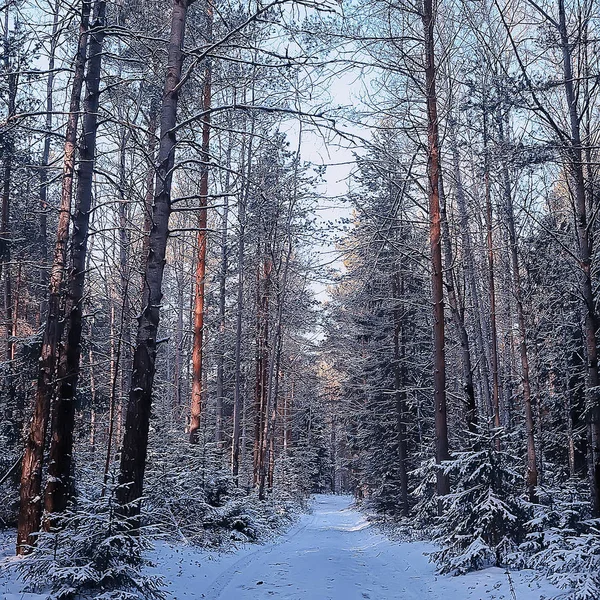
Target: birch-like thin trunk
(46, 165)
(469, 270)
(458, 316)
(532, 470)
(400, 385)
(585, 256)
(238, 401)
(491, 278)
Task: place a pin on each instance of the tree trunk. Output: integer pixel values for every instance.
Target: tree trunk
(30, 511)
(585, 256)
(178, 367)
(458, 317)
(400, 385)
(5, 235)
(223, 292)
(45, 166)
(197, 350)
(149, 184)
(268, 442)
(532, 471)
(238, 403)
(469, 270)
(125, 277)
(437, 283)
(135, 442)
(59, 488)
(262, 364)
(491, 278)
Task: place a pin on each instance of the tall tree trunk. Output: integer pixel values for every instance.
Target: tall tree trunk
(469, 270)
(223, 290)
(400, 385)
(45, 166)
(271, 404)
(491, 276)
(135, 442)
(125, 278)
(238, 402)
(458, 316)
(30, 511)
(197, 350)
(178, 367)
(59, 488)
(585, 256)
(149, 183)
(12, 79)
(532, 471)
(262, 363)
(437, 282)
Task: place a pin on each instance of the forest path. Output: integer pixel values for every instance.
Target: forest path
(333, 553)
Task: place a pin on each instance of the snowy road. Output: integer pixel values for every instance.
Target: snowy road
(333, 554)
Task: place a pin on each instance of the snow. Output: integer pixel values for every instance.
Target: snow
(332, 553)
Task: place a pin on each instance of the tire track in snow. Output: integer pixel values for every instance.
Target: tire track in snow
(224, 579)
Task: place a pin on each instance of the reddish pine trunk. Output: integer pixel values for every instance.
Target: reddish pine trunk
(58, 490)
(197, 350)
(437, 283)
(30, 511)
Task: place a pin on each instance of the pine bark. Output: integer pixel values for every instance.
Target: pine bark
(59, 489)
(437, 283)
(30, 511)
(197, 349)
(135, 441)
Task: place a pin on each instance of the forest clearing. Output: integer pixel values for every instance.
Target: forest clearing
(299, 299)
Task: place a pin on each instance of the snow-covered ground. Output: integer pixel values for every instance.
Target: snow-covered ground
(333, 553)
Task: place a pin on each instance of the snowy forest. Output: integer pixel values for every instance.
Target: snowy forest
(308, 280)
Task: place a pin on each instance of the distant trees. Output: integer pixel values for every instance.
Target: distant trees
(500, 180)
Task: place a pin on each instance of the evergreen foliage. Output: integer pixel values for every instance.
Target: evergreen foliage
(484, 517)
(91, 552)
